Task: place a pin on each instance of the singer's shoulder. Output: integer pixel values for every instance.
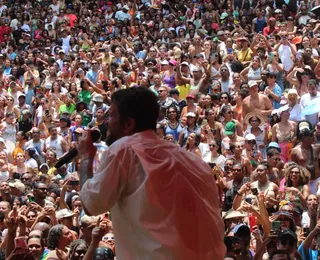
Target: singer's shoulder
(139, 138)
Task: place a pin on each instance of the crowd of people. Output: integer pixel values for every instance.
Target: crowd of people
(237, 85)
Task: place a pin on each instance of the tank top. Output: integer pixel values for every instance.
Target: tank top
(174, 131)
(169, 80)
(55, 145)
(254, 74)
(9, 133)
(4, 176)
(260, 24)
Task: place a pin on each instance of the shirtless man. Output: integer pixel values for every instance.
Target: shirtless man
(306, 154)
(231, 137)
(255, 102)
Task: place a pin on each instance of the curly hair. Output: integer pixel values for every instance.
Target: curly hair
(304, 175)
(54, 236)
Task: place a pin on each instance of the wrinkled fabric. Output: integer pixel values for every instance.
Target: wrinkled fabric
(163, 200)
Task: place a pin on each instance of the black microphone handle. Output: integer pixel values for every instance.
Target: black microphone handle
(95, 135)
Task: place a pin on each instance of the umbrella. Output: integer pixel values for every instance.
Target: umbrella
(316, 10)
(312, 107)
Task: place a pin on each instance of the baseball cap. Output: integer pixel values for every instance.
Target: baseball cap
(185, 63)
(241, 228)
(164, 62)
(274, 145)
(126, 7)
(64, 213)
(252, 83)
(18, 185)
(191, 114)
(223, 16)
(288, 235)
(190, 96)
(230, 128)
(250, 137)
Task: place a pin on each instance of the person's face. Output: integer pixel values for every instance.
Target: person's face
(287, 244)
(41, 191)
(190, 101)
(66, 237)
(172, 113)
(224, 71)
(191, 120)
(80, 252)
(261, 172)
(312, 201)
(224, 99)
(213, 146)
(191, 138)
(35, 247)
(20, 157)
(294, 174)
(312, 89)
(162, 93)
(77, 205)
(254, 121)
(236, 78)
(237, 172)
(4, 207)
(116, 129)
(53, 132)
(31, 217)
(250, 144)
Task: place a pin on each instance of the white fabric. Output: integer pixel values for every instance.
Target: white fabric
(163, 201)
(305, 99)
(219, 160)
(284, 52)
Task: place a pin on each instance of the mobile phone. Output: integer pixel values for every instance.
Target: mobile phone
(74, 183)
(254, 191)
(230, 50)
(306, 231)
(248, 200)
(101, 50)
(252, 222)
(31, 199)
(212, 165)
(21, 243)
(46, 112)
(226, 168)
(311, 34)
(271, 56)
(298, 55)
(275, 226)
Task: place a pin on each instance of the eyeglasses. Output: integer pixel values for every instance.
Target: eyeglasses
(212, 145)
(304, 74)
(160, 91)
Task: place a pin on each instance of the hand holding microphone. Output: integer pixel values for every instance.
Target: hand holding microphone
(85, 147)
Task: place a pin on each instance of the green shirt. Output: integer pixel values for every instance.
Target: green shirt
(64, 108)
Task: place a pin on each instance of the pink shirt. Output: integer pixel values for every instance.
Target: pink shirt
(163, 201)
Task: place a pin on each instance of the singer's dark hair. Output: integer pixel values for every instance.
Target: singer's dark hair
(137, 103)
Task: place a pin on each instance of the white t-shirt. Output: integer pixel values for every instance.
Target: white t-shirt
(305, 99)
(284, 52)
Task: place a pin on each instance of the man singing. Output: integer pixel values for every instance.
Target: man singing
(163, 200)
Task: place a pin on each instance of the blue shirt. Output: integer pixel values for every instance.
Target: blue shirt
(92, 75)
(310, 254)
(276, 90)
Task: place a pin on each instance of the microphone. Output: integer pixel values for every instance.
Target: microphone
(95, 136)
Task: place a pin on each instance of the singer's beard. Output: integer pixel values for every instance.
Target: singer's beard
(111, 138)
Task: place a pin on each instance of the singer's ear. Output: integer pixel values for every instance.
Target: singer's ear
(129, 126)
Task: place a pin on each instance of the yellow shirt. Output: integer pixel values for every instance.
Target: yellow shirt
(183, 90)
(245, 55)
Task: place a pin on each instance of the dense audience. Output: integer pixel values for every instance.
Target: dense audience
(237, 84)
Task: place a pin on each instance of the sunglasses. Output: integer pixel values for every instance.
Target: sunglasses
(212, 145)
(160, 91)
(237, 170)
(251, 142)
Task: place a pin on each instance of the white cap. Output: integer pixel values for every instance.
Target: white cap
(191, 114)
(250, 137)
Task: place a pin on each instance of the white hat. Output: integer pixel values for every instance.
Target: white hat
(252, 83)
(164, 62)
(250, 137)
(191, 114)
(292, 91)
(126, 7)
(64, 213)
(97, 98)
(185, 63)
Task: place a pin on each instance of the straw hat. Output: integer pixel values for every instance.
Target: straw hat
(254, 114)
